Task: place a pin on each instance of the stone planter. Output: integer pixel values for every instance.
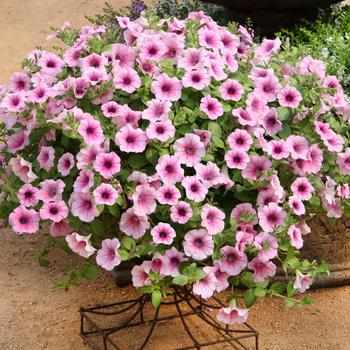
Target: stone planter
(268, 16)
(330, 243)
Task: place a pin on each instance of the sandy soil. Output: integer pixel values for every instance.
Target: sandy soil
(25, 25)
(36, 316)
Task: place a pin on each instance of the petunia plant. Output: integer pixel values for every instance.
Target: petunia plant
(181, 142)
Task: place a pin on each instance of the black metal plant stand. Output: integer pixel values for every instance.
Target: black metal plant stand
(102, 326)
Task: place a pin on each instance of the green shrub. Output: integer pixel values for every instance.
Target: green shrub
(327, 38)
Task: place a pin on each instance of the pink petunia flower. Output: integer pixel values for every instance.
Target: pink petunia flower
(86, 156)
(19, 82)
(194, 188)
(14, 102)
(271, 216)
(198, 244)
(231, 90)
(232, 262)
(60, 229)
(65, 164)
(209, 174)
(156, 110)
(169, 169)
(51, 190)
(144, 199)
(122, 56)
(168, 194)
(256, 105)
(256, 168)
(189, 149)
(289, 96)
(93, 61)
(23, 220)
(196, 79)
(163, 234)
(80, 244)
(296, 205)
(28, 195)
(240, 140)
(131, 140)
(83, 206)
(18, 141)
(232, 315)
(237, 159)
(240, 211)
(277, 149)
(267, 87)
(298, 147)
(127, 80)
(107, 164)
(266, 196)
(271, 123)
(242, 239)
(91, 131)
(50, 63)
(334, 142)
(343, 161)
(152, 49)
(162, 130)
(46, 157)
(206, 286)
(245, 117)
(132, 224)
(193, 58)
(209, 39)
(105, 194)
(211, 107)
(296, 239)
(140, 274)
(54, 211)
(84, 181)
(108, 256)
(181, 212)
(212, 219)
(110, 109)
(302, 282)
(302, 188)
(267, 245)
(171, 262)
(262, 269)
(166, 88)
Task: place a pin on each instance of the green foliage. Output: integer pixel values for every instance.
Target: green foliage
(327, 39)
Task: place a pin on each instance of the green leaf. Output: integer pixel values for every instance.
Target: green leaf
(180, 280)
(137, 161)
(249, 298)
(90, 272)
(97, 227)
(247, 279)
(278, 287)
(315, 201)
(290, 289)
(156, 298)
(196, 275)
(128, 243)
(260, 291)
(42, 261)
(124, 255)
(114, 210)
(286, 131)
(283, 113)
(215, 129)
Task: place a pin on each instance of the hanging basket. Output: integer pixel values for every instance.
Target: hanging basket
(182, 319)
